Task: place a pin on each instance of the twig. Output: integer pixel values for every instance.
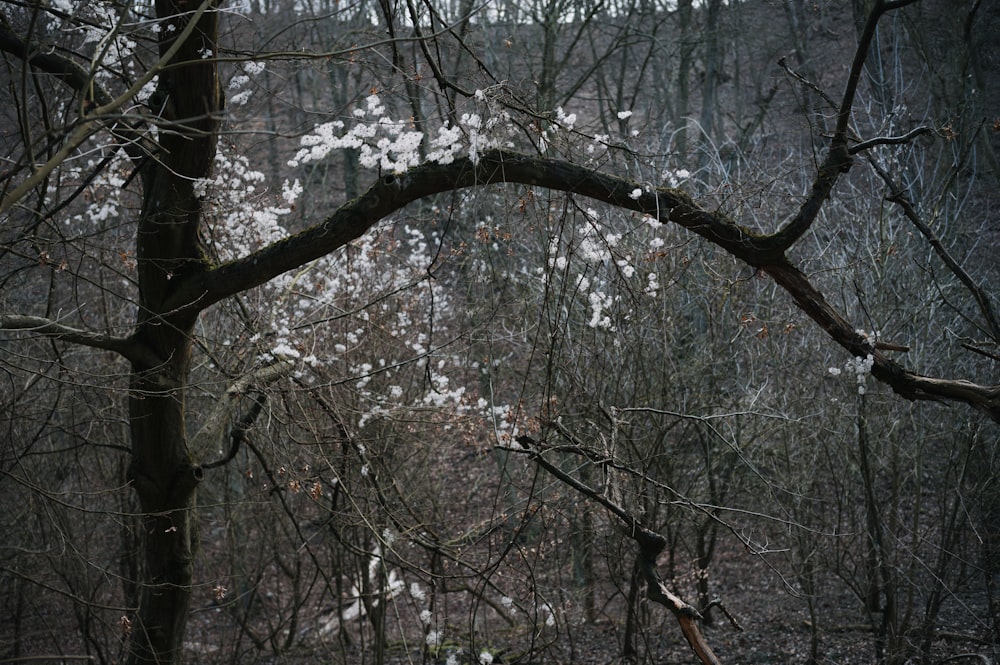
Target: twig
(650, 545)
(982, 352)
(717, 602)
(783, 63)
(898, 196)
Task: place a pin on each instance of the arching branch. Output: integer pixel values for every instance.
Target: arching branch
(393, 192)
(390, 194)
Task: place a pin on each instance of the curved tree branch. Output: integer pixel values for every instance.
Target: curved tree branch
(62, 68)
(838, 158)
(391, 193)
(903, 382)
(890, 140)
(199, 291)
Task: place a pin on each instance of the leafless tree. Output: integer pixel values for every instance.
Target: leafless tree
(143, 108)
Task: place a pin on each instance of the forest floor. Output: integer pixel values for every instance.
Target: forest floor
(774, 627)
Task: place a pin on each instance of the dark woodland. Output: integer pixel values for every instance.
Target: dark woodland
(522, 331)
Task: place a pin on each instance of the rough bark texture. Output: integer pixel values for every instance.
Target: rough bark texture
(162, 472)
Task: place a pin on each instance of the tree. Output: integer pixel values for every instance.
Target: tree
(171, 140)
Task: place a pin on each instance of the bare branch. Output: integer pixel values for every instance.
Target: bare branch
(982, 352)
(890, 140)
(783, 63)
(254, 382)
(839, 157)
(64, 69)
(197, 292)
(124, 346)
(95, 119)
(903, 382)
(650, 545)
(898, 196)
(391, 193)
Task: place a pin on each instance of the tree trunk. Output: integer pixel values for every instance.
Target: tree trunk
(688, 45)
(630, 649)
(161, 471)
(165, 481)
(713, 67)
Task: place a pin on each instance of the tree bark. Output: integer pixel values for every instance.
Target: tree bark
(162, 471)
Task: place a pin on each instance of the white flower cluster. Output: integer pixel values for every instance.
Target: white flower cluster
(105, 190)
(858, 367)
(301, 306)
(247, 220)
(674, 178)
(504, 420)
(652, 284)
(861, 368)
(597, 260)
(432, 638)
(239, 95)
(100, 22)
(389, 145)
(550, 615)
(598, 303)
(565, 120)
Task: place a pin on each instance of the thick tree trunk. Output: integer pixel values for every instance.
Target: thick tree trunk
(165, 481)
(187, 101)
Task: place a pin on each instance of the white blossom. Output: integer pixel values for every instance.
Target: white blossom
(283, 350)
(564, 119)
(652, 284)
(241, 98)
(291, 192)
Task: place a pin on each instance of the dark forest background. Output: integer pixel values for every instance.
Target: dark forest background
(366, 430)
